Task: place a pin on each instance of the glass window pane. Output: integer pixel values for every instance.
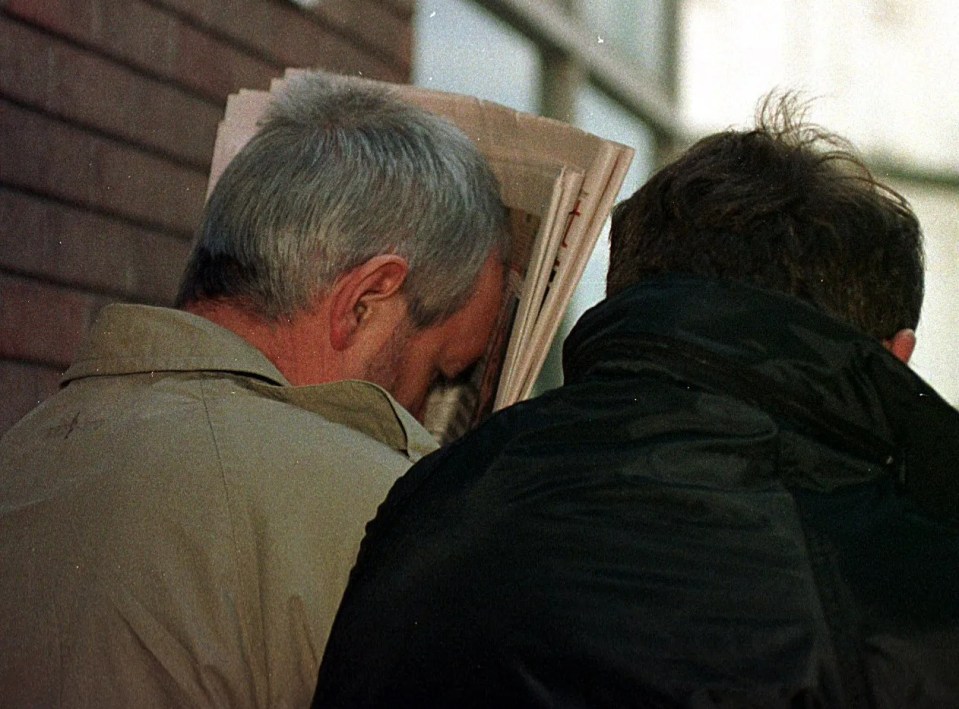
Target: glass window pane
(461, 47)
(637, 28)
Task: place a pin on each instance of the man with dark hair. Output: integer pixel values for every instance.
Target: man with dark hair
(741, 496)
(178, 523)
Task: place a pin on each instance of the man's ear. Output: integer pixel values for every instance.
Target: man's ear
(901, 345)
(358, 294)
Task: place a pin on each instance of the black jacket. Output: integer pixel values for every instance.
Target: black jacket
(734, 500)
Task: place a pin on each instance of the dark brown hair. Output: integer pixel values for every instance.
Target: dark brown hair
(786, 206)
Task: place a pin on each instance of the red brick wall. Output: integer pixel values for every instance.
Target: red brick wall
(108, 113)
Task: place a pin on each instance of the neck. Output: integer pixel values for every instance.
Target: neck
(298, 346)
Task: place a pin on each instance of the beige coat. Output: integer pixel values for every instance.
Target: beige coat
(177, 524)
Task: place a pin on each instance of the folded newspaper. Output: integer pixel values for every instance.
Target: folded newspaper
(558, 184)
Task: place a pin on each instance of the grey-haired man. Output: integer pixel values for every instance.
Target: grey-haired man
(177, 524)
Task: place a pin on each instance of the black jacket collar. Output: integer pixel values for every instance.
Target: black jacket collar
(804, 368)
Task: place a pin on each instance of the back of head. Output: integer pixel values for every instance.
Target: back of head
(785, 206)
(338, 172)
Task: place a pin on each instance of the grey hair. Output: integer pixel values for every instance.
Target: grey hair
(340, 171)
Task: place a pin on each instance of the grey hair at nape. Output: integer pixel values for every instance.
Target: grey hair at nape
(340, 171)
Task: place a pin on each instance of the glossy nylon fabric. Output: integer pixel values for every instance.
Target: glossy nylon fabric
(734, 501)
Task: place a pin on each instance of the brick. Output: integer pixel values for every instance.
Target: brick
(151, 39)
(403, 8)
(22, 387)
(54, 158)
(375, 25)
(274, 29)
(62, 244)
(41, 323)
(58, 78)
(218, 68)
(285, 36)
